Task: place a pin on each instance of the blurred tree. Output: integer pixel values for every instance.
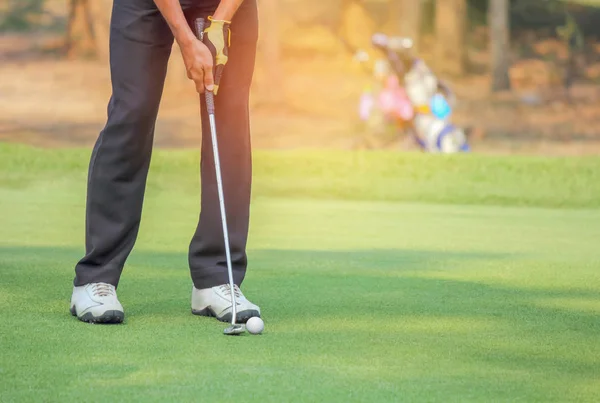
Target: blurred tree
(101, 11)
(20, 15)
(80, 30)
(356, 25)
(405, 18)
(450, 31)
(271, 50)
(498, 18)
(88, 28)
(573, 38)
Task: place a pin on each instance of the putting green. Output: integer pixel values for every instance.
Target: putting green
(381, 300)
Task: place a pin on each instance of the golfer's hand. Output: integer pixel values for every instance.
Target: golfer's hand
(217, 37)
(198, 62)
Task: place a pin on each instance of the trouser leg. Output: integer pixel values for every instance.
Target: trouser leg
(140, 45)
(206, 253)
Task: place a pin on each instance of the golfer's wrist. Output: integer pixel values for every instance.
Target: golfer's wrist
(184, 36)
(227, 9)
(221, 16)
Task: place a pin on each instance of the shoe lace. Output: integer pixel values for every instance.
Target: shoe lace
(103, 290)
(226, 289)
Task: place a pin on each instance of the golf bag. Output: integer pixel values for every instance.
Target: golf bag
(384, 105)
(414, 99)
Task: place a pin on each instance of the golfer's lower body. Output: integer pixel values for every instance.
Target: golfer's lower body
(140, 46)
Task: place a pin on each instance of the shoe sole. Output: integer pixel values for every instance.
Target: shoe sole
(241, 317)
(108, 317)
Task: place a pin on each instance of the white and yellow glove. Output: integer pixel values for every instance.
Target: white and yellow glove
(217, 37)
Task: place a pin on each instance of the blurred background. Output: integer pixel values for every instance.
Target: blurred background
(525, 73)
(480, 271)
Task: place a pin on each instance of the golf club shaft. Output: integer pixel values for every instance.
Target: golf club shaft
(213, 132)
(210, 106)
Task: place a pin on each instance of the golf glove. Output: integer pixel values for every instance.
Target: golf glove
(217, 37)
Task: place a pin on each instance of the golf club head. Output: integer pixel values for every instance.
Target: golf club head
(234, 330)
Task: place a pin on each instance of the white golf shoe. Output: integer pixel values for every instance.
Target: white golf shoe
(216, 302)
(97, 303)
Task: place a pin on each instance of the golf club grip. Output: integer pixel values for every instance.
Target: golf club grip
(210, 97)
(210, 102)
(200, 23)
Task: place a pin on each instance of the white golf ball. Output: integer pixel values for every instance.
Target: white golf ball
(255, 325)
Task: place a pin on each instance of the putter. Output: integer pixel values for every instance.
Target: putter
(234, 329)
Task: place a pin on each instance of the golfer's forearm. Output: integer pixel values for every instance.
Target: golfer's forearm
(173, 14)
(227, 9)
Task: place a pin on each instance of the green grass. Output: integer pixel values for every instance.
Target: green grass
(370, 176)
(382, 277)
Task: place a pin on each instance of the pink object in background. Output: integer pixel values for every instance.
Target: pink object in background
(403, 108)
(365, 106)
(394, 102)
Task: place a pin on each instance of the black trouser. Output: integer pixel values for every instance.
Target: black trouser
(140, 46)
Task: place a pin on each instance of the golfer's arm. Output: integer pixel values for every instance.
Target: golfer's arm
(227, 9)
(173, 14)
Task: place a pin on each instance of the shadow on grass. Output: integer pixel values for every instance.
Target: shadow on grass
(377, 283)
(354, 301)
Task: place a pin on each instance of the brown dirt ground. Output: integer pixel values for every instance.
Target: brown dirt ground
(48, 101)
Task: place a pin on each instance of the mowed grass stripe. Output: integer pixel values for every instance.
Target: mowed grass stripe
(572, 182)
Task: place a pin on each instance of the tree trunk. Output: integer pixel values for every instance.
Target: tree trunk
(356, 25)
(498, 19)
(270, 49)
(101, 11)
(80, 32)
(405, 18)
(450, 28)
(88, 28)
